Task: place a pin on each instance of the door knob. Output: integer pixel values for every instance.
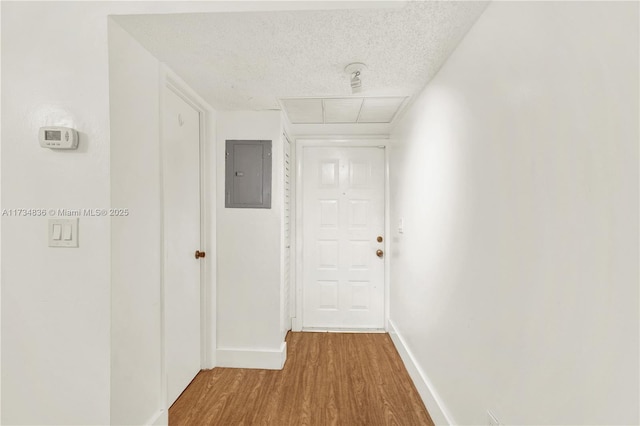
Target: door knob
(379, 253)
(200, 254)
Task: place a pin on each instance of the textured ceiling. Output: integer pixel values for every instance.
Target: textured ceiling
(248, 60)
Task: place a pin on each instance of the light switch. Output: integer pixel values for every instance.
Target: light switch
(67, 232)
(63, 232)
(57, 231)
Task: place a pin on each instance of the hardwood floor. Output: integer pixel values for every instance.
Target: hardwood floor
(329, 379)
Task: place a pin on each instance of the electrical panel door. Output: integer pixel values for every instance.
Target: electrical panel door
(248, 174)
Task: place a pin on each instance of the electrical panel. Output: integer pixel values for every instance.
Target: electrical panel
(248, 174)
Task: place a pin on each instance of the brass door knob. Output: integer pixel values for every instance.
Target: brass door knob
(200, 254)
(379, 253)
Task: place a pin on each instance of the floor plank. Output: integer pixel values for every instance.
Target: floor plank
(328, 379)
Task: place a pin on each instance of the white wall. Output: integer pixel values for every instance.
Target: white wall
(515, 282)
(135, 80)
(249, 248)
(0, 226)
(55, 328)
(56, 303)
(136, 257)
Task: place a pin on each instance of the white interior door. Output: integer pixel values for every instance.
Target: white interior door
(181, 171)
(343, 216)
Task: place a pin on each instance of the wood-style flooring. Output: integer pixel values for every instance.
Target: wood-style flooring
(328, 379)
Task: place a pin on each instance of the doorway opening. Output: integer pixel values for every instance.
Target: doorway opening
(341, 228)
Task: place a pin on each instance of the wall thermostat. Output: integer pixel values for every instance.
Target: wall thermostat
(58, 137)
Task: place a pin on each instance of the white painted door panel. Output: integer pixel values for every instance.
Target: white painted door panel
(343, 214)
(181, 152)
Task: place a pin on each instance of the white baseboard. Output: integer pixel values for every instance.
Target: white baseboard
(343, 330)
(160, 418)
(435, 406)
(252, 358)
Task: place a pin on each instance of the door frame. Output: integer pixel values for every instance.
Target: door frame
(171, 81)
(289, 244)
(350, 142)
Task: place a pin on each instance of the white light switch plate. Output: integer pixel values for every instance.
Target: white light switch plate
(63, 232)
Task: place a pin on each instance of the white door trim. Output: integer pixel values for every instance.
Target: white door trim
(171, 81)
(300, 144)
(285, 244)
